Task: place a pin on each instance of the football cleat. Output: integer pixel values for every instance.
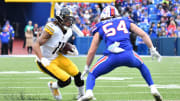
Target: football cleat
(55, 92)
(78, 96)
(156, 94)
(87, 97)
(157, 97)
(81, 92)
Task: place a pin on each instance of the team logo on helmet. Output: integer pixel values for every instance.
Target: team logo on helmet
(108, 12)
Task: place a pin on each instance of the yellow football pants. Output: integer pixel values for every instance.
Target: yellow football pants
(60, 68)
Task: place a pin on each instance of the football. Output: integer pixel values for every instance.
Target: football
(67, 47)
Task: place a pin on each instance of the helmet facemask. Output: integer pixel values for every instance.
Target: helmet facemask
(65, 18)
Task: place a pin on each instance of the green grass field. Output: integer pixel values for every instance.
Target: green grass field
(20, 80)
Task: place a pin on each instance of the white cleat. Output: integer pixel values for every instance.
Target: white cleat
(81, 92)
(78, 96)
(157, 96)
(87, 97)
(55, 92)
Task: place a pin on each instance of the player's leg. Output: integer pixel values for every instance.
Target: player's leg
(102, 66)
(69, 67)
(136, 61)
(63, 79)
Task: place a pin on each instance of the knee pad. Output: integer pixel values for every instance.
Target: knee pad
(62, 84)
(78, 81)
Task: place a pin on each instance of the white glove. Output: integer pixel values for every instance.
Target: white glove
(114, 48)
(86, 71)
(45, 61)
(74, 53)
(155, 53)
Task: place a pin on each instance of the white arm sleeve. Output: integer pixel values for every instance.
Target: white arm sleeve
(77, 30)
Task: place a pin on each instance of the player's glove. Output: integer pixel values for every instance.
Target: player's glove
(86, 71)
(74, 51)
(155, 54)
(114, 48)
(45, 62)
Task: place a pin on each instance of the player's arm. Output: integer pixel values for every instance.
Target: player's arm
(92, 50)
(91, 53)
(146, 40)
(40, 41)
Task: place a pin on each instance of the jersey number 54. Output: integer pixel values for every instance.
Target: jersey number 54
(111, 31)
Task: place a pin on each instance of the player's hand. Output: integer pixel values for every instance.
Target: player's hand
(45, 62)
(155, 54)
(86, 71)
(74, 51)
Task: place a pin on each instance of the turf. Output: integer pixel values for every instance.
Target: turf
(33, 86)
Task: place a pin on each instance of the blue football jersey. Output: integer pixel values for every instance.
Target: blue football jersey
(115, 30)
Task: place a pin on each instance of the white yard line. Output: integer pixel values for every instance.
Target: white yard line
(68, 87)
(169, 86)
(18, 72)
(101, 93)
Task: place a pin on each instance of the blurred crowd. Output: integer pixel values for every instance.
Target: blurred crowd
(159, 18)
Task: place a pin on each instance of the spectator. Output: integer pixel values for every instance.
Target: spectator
(162, 31)
(136, 14)
(153, 30)
(173, 34)
(30, 27)
(95, 21)
(39, 32)
(85, 31)
(4, 36)
(171, 28)
(162, 22)
(87, 15)
(178, 20)
(146, 19)
(29, 40)
(178, 10)
(11, 33)
(35, 32)
(79, 24)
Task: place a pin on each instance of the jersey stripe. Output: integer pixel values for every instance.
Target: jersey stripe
(99, 62)
(49, 29)
(112, 11)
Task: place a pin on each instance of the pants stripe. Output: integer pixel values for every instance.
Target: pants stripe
(45, 70)
(137, 56)
(99, 62)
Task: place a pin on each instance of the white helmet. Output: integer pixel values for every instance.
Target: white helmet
(108, 12)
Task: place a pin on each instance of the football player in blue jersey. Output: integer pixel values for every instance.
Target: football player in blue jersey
(115, 31)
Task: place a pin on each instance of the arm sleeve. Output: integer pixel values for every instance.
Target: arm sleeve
(48, 28)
